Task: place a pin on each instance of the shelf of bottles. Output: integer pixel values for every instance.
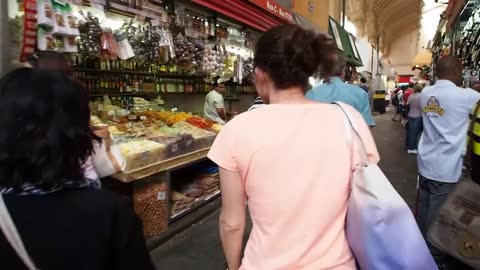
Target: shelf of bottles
(118, 77)
(131, 78)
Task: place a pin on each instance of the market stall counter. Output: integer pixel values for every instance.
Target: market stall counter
(154, 147)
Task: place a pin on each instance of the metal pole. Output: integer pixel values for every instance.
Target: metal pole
(378, 53)
(4, 38)
(344, 10)
(371, 65)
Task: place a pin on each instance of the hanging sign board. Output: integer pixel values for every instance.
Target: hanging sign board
(275, 8)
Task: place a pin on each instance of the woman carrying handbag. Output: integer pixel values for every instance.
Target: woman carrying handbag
(292, 161)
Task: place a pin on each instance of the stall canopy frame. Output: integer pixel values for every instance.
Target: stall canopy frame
(244, 12)
(350, 50)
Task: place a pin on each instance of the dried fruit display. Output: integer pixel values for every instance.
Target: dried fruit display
(200, 122)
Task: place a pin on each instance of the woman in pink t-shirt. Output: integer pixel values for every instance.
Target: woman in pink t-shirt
(290, 160)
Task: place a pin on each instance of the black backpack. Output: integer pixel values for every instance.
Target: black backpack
(395, 100)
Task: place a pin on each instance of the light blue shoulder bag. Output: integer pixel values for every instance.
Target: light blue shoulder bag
(381, 229)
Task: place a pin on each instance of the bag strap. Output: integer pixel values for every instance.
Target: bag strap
(11, 234)
(108, 150)
(354, 136)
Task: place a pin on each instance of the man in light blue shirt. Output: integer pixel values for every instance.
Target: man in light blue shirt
(338, 91)
(445, 112)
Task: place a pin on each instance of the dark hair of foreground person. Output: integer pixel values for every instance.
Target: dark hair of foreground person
(63, 223)
(46, 133)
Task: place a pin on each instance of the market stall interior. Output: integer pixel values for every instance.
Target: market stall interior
(147, 66)
(459, 34)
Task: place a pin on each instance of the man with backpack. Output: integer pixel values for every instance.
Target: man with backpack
(397, 102)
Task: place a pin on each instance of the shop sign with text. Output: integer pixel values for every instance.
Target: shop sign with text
(275, 8)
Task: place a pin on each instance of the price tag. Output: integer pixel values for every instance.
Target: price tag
(98, 7)
(140, 17)
(144, 156)
(155, 22)
(143, 117)
(161, 196)
(132, 117)
(174, 148)
(101, 2)
(61, 2)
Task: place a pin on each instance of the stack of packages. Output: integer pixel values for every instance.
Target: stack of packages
(189, 193)
(209, 183)
(180, 202)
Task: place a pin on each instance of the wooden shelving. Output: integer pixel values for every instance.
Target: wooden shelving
(133, 72)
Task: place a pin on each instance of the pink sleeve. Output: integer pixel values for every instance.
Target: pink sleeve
(223, 149)
(365, 134)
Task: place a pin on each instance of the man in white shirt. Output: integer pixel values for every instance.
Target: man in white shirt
(445, 111)
(214, 108)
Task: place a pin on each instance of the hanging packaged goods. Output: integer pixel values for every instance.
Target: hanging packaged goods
(101, 37)
(134, 57)
(467, 41)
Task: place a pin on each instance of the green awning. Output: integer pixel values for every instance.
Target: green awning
(345, 42)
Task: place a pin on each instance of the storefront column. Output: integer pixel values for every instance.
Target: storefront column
(4, 38)
(335, 9)
(315, 11)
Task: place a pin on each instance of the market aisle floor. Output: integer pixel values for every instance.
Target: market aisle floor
(199, 247)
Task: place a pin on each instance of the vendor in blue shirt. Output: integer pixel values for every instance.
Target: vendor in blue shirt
(336, 90)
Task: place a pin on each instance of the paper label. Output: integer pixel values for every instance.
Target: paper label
(101, 2)
(143, 117)
(155, 22)
(61, 2)
(144, 156)
(98, 7)
(174, 148)
(161, 196)
(132, 117)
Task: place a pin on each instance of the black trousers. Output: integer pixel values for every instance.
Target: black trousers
(475, 167)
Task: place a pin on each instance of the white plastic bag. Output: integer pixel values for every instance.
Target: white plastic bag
(107, 159)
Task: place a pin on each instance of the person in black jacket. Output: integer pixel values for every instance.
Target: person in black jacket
(474, 144)
(63, 222)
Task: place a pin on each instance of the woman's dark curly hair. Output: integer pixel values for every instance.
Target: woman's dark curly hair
(290, 55)
(46, 135)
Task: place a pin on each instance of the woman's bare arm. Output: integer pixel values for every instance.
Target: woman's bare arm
(232, 217)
